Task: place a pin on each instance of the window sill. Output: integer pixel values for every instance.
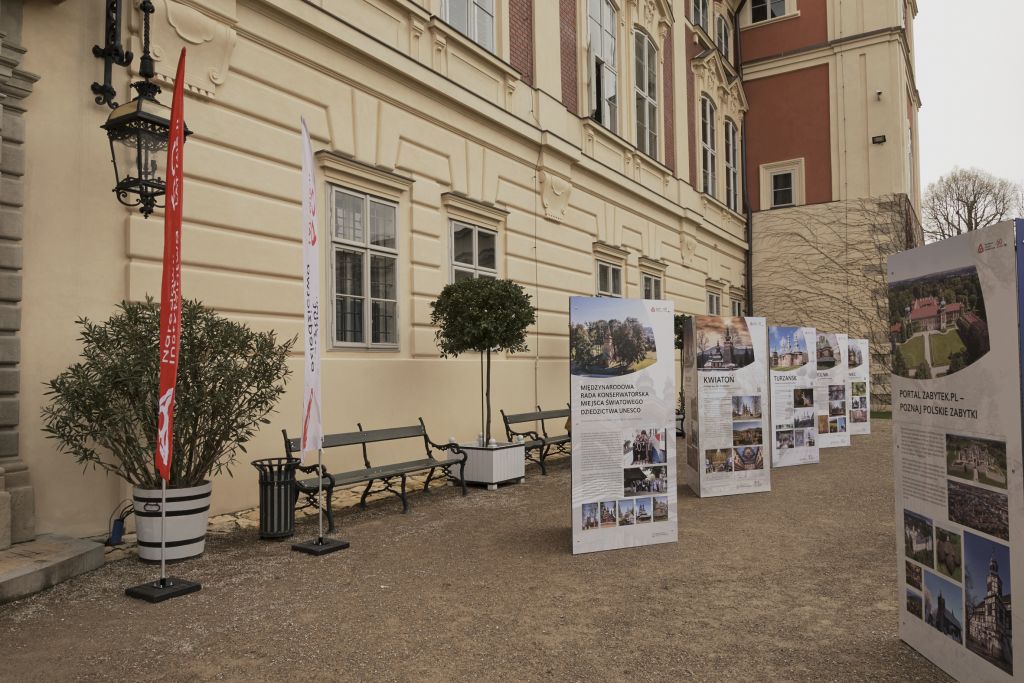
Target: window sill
(781, 206)
(336, 347)
(767, 22)
(444, 33)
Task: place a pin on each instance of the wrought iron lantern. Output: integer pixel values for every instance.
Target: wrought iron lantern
(138, 134)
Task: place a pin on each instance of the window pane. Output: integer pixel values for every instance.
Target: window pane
(385, 326)
(778, 8)
(639, 50)
(348, 217)
(611, 99)
(462, 244)
(609, 43)
(648, 288)
(594, 11)
(349, 275)
(486, 276)
(603, 278)
(652, 119)
(641, 128)
(652, 71)
(382, 225)
(759, 10)
(458, 15)
(460, 275)
(382, 277)
(608, 18)
(782, 181)
(485, 249)
(657, 288)
(349, 319)
(485, 29)
(616, 281)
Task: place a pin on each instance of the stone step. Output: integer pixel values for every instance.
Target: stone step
(29, 567)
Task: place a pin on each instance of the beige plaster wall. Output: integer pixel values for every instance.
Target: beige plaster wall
(382, 82)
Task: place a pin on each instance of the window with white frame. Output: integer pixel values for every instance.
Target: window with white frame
(365, 264)
(652, 286)
(782, 189)
(723, 37)
(473, 252)
(604, 102)
(473, 19)
(714, 303)
(700, 14)
(731, 166)
(763, 10)
(707, 141)
(609, 279)
(646, 93)
(737, 308)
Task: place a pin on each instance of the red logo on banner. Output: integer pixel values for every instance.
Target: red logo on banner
(170, 289)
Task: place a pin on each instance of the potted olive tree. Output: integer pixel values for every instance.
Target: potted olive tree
(486, 316)
(103, 410)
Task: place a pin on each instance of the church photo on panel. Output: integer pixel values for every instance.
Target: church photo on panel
(722, 343)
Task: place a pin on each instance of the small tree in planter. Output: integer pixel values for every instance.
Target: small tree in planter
(103, 409)
(482, 315)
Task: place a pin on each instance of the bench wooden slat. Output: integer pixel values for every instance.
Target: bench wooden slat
(521, 417)
(368, 473)
(551, 414)
(375, 435)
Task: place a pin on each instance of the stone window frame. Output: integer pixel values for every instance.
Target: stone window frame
(792, 11)
(713, 296)
(341, 173)
(481, 216)
(653, 269)
(769, 171)
(614, 258)
(472, 7)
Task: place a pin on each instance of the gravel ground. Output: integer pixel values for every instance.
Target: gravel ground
(797, 585)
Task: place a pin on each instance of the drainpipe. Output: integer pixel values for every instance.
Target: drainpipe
(743, 144)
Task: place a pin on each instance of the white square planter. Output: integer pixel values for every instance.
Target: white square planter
(493, 465)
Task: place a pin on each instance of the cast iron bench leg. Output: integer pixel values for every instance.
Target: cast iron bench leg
(426, 484)
(366, 492)
(405, 501)
(540, 459)
(462, 476)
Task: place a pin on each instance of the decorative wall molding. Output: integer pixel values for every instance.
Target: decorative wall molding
(208, 36)
(554, 192)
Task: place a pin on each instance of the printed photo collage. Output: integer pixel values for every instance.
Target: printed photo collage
(644, 483)
(859, 402)
(835, 421)
(747, 452)
(958, 578)
(801, 433)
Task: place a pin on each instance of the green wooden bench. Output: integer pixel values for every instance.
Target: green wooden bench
(436, 459)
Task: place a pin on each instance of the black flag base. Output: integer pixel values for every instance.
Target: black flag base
(320, 546)
(162, 589)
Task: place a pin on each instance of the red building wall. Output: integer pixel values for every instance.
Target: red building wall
(520, 15)
(788, 119)
(777, 37)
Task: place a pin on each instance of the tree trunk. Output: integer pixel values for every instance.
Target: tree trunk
(487, 394)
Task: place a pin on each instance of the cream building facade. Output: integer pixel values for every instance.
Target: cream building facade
(547, 142)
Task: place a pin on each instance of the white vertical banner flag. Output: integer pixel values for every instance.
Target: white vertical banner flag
(312, 429)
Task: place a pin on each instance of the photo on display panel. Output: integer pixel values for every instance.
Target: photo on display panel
(989, 608)
(918, 538)
(943, 606)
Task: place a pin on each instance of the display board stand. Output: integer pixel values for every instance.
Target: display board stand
(725, 380)
(955, 338)
(623, 397)
(793, 366)
(831, 406)
(858, 386)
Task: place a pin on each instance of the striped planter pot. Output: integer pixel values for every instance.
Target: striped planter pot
(188, 511)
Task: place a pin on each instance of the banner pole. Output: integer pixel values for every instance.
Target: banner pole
(320, 493)
(163, 532)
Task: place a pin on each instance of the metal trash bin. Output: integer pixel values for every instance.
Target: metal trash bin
(277, 496)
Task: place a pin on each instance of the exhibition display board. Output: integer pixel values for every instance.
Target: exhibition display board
(623, 398)
(793, 373)
(956, 347)
(830, 401)
(725, 380)
(858, 386)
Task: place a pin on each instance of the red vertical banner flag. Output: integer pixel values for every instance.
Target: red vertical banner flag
(170, 288)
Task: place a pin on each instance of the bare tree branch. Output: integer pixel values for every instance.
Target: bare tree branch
(966, 200)
(826, 266)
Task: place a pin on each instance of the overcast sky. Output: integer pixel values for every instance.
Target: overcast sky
(970, 73)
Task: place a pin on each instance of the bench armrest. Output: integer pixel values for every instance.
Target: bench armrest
(527, 434)
(310, 469)
(450, 446)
